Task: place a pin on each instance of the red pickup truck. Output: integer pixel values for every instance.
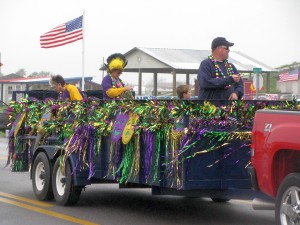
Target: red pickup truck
(275, 159)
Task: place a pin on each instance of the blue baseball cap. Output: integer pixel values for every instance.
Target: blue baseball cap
(219, 41)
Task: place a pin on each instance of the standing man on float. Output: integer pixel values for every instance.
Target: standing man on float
(218, 79)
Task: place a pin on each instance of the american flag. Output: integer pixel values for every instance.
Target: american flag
(63, 34)
(290, 76)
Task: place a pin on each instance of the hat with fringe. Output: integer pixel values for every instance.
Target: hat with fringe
(116, 61)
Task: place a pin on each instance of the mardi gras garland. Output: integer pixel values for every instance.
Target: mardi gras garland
(179, 130)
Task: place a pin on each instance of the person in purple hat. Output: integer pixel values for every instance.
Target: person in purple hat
(218, 79)
(113, 86)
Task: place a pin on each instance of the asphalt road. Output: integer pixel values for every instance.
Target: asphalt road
(106, 204)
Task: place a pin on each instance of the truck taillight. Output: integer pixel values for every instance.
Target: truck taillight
(252, 151)
(252, 143)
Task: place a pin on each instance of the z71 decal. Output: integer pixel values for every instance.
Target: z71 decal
(268, 127)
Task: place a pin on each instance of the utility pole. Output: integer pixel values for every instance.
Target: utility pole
(0, 63)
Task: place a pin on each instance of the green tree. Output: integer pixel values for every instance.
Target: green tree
(21, 72)
(40, 74)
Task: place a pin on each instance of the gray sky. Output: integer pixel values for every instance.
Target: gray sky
(267, 30)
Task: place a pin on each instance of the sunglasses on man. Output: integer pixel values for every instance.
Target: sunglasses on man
(225, 47)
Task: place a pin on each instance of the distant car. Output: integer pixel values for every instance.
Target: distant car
(262, 97)
(4, 121)
(286, 97)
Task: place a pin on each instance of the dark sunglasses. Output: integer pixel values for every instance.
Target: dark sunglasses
(225, 47)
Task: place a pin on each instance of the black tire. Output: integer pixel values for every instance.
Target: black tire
(65, 193)
(41, 177)
(288, 200)
(220, 200)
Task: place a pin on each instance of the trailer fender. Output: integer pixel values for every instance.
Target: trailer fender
(52, 152)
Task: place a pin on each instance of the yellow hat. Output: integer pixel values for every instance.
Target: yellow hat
(116, 61)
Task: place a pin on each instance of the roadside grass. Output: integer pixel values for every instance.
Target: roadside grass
(2, 134)
(2, 108)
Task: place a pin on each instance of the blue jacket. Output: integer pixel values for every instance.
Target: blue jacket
(211, 87)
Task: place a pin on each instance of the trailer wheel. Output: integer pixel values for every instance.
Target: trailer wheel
(41, 178)
(287, 206)
(65, 193)
(220, 200)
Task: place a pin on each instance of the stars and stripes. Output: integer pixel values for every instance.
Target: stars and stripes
(290, 76)
(63, 34)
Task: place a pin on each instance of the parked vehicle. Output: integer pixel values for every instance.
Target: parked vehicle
(4, 121)
(275, 168)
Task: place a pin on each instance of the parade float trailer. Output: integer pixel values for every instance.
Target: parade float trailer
(186, 148)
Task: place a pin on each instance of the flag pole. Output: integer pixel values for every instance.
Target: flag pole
(83, 31)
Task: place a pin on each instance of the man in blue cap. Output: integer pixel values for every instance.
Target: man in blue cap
(218, 79)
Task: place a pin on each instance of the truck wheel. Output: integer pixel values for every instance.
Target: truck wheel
(41, 178)
(220, 200)
(288, 200)
(65, 193)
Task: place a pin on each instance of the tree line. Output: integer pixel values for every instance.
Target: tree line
(23, 73)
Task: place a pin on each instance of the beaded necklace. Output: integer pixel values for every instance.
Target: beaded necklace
(114, 84)
(218, 70)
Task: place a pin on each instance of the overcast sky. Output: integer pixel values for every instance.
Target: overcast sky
(267, 30)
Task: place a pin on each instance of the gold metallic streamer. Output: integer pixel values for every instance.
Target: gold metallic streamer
(137, 155)
(176, 137)
(111, 166)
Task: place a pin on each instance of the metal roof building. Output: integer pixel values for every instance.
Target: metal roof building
(38, 80)
(181, 61)
(13, 82)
